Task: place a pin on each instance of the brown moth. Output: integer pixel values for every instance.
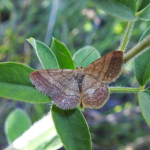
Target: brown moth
(85, 87)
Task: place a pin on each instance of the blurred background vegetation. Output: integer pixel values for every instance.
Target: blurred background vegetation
(119, 124)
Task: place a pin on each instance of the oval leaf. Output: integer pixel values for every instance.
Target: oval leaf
(144, 14)
(121, 9)
(16, 124)
(82, 53)
(64, 62)
(44, 53)
(142, 64)
(72, 128)
(144, 102)
(41, 135)
(15, 84)
(15, 73)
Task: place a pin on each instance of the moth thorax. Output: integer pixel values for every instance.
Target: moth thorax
(79, 74)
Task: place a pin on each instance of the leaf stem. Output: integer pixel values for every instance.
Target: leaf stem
(137, 50)
(126, 36)
(123, 90)
(142, 87)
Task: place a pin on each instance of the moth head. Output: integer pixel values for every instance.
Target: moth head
(79, 74)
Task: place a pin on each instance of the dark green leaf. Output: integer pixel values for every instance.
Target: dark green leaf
(143, 4)
(142, 64)
(13, 128)
(72, 129)
(15, 73)
(64, 62)
(148, 88)
(45, 55)
(123, 9)
(15, 83)
(144, 14)
(82, 53)
(144, 102)
(142, 68)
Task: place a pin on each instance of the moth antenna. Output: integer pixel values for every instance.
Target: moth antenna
(67, 57)
(86, 57)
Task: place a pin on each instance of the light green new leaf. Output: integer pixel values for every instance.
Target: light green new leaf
(54, 143)
(142, 64)
(44, 53)
(144, 14)
(15, 83)
(82, 53)
(41, 135)
(71, 128)
(144, 102)
(48, 140)
(64, 62)
(123, 9)
(16, 124)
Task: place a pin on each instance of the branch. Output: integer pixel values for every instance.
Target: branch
(126, 36)
(137, 50)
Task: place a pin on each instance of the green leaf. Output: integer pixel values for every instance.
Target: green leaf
(44, 53)
(72, 128)
(145, 34)
(144, 14)
(53, 144)
(127, 3)
(64, 62)
(123, 9)
(48, 140)
(142, 64)
(15, 73)
(148, 88)
(82, 53)
(16, 124)
(138, 4)
(41, 136)
(15, 84)
(144, 102)
(142, 68)
(143, 4)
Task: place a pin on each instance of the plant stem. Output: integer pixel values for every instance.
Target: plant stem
(126, 36)
(142, 87)
(137, 50)
(123, 90)
(134, 52)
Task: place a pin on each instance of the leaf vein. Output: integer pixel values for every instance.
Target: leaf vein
(69, 128)
(76, 124)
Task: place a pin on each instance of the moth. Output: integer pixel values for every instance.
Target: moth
(85, 87)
